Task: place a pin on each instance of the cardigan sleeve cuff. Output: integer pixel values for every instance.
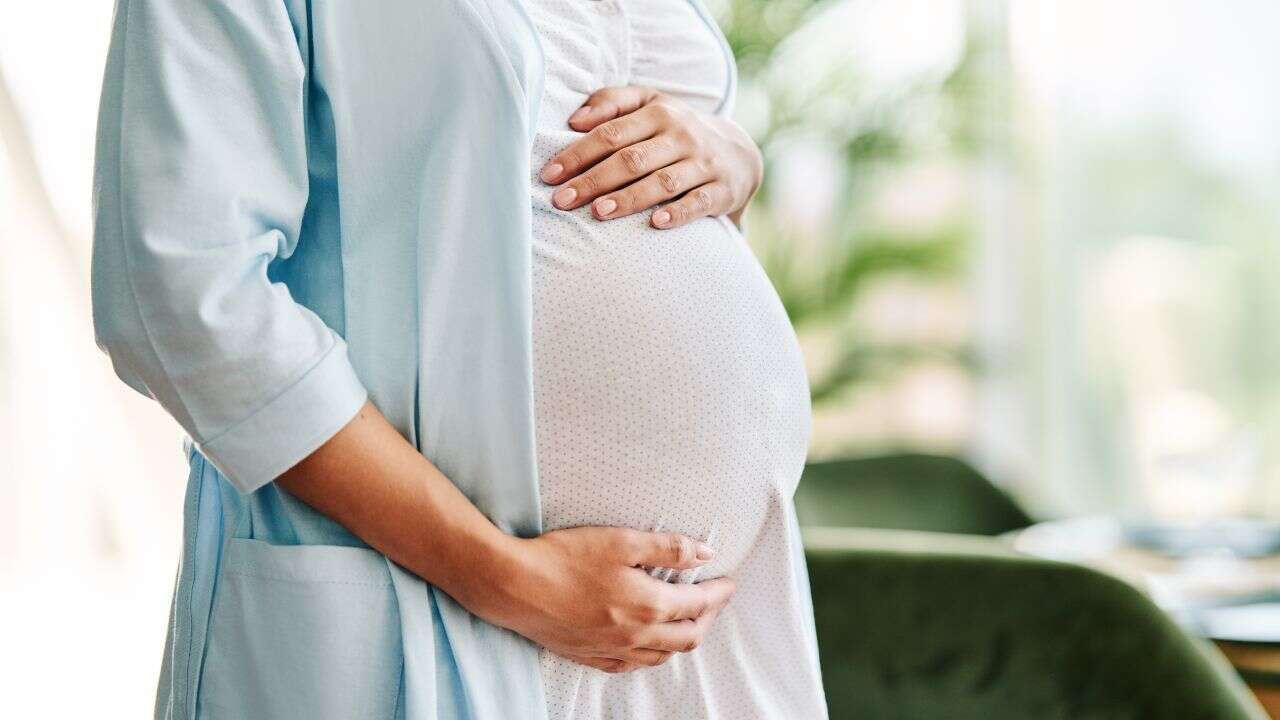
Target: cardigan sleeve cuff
(290, 427)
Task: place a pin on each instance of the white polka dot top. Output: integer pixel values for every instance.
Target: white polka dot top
(670, 392)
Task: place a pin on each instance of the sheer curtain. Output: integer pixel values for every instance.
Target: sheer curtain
(1127, 272)
(91, 476)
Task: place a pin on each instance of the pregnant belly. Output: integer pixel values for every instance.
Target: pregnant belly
(670, 392)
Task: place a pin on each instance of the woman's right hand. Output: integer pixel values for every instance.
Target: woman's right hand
(583, 593)
(580, 592)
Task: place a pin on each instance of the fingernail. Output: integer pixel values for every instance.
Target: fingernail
(662, 218)
(705, 552)
(580, 114)
(564, 197)
(551, 172)
(604, 206)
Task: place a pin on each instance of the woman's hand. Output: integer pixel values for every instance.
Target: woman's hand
(582, 593)
(579, 592)
(643, 148)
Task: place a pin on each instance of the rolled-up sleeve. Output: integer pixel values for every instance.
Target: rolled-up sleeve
(200, 183)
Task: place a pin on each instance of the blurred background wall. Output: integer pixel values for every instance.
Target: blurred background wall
(1038, 235)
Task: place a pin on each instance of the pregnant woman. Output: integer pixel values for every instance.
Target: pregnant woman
(492, 412)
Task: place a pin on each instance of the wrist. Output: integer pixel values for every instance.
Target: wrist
(495, 576)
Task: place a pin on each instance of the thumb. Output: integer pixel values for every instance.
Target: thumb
(667, 550)
(608, 103)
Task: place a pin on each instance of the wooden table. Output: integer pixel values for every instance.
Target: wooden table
(1259, 665)
(1235, 602)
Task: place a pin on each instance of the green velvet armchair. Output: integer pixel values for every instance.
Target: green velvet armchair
(906, 492)
(932, 626)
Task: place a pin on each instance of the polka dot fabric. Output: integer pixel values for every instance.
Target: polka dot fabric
(669, 390)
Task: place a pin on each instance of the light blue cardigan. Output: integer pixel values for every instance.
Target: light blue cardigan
(300, 204)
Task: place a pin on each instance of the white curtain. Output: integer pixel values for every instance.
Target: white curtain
(1130, 317)
(91, 475)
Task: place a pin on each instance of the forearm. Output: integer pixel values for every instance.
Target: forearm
(578, 592)
(371, 480)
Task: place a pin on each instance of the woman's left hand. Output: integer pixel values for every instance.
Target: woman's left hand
(643, 148)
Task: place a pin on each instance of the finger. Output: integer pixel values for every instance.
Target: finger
(609, 665)
(644, 657)
(598, 144)
(689, 602)
(608, 103)
(659, 185)
(617, 170)
(681, 635)
(675, 636)
(670, 550)
(710, 199)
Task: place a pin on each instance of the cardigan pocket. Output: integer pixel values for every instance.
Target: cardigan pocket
(302, 631)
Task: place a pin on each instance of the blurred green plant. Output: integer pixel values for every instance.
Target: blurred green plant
(821, 270)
